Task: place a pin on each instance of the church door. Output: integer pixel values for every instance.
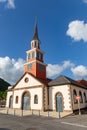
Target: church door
(59, 106)
(26, 101)
(11, 102)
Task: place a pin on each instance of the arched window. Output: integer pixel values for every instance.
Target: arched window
(81, 99)
(74, 96)
(29, 56)
(35, 99)
(16, 100)
(34, 43)
(37, 55)
(85, 100)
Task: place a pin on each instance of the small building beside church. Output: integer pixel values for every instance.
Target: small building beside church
(35, 91)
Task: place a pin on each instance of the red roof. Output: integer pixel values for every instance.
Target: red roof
(84, 82)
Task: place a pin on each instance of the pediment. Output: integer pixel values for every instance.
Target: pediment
(27, 81)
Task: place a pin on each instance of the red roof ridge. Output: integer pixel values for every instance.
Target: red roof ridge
(82, 81)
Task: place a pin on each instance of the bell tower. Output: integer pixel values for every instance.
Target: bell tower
(35, 61)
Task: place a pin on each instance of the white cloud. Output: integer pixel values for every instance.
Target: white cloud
(56, 69)
(8, 4)
(11, 69)
(79, 71)
(85, 1)
(77, 30)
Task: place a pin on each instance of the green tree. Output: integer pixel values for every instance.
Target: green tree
(3, 94)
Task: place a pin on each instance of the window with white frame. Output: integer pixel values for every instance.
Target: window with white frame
(29, 66)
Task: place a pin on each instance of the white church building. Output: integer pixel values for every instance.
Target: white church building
(35, 91)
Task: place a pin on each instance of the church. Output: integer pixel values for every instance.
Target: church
(34, 91)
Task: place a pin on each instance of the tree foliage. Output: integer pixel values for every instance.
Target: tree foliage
(3, 87)
(3, 94)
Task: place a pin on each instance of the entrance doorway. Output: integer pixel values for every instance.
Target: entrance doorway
(26, 101)
(59, 102)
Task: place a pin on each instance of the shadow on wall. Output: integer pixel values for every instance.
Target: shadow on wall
(4, 129)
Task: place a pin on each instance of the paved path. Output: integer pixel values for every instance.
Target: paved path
(9, 122)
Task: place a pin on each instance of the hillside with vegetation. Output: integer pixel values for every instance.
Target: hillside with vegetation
(3, 87)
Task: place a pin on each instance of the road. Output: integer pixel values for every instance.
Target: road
(8, 122)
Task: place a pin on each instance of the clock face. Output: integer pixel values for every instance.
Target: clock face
(26, 79)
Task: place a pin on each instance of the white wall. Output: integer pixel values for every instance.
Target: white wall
(65, 90)
(32, 92)
(33, 86)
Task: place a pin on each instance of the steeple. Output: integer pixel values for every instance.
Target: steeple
(35, 37)
(35, 61)
(35, 42)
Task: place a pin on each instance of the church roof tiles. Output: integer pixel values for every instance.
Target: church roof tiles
(61, 80)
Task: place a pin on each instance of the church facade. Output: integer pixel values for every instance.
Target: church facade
(34, 91)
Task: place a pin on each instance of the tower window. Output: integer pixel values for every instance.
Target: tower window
(41, 67)
(35, 43)
(29, 56)
(37, 54)
(40, 56)
(29, 67)
(33, 54)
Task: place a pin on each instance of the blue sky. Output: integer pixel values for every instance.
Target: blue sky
(62, 28)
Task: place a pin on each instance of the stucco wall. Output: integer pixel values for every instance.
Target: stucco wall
(32, 92)
(34, 87)
(65, 91)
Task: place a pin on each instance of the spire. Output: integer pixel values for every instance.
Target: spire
(35, 37)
